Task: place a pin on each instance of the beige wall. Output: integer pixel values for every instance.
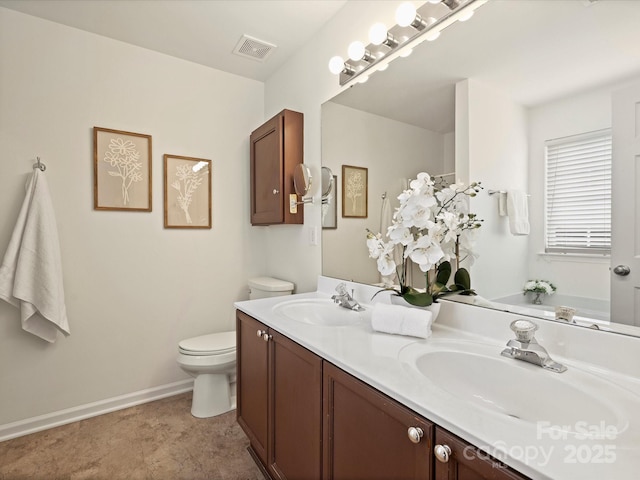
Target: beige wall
(133, 289)
(394, 152)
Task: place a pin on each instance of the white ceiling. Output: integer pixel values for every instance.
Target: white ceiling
(202, 31)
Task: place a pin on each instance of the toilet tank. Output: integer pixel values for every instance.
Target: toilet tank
(264, 287)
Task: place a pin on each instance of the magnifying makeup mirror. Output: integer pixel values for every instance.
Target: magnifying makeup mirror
(326, 177)
(302, 180)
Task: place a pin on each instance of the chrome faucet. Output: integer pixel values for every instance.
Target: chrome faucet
(525, 347)
(345, 300)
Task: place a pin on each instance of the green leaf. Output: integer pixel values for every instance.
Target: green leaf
(439, 288)
(462, 279)
(419, 299)
(443, 272)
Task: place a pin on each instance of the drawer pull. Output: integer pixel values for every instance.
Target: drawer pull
(442, 453)
(266, 337)
(261, 332)
(415, 434)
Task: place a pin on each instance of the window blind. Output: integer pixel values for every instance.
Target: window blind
(578, 193)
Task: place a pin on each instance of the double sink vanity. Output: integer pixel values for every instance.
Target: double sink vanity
(321, 395)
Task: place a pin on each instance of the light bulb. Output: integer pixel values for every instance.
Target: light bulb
(383, 67)
(356, 51)
(431, 36)
(363, 79)
(336, 64)
(406, 52)
(435, 2)
(465, 16)
(405, 14)
(378, 33)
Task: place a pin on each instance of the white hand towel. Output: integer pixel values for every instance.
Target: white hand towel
(518, 212)
(399, 320)
(31, 271)
(502, 204)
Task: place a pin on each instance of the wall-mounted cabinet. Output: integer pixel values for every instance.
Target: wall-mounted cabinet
(276, 149)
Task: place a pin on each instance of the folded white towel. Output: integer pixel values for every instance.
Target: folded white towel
(415, 322)
(31, 271)
(518, 211)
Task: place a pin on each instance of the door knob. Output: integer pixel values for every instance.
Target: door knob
(266, 337)
(442, 453)
(259, 333)
(622, 270)
(276, 191)
(415, 434)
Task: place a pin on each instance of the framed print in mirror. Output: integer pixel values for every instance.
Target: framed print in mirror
(121, 170)
(187, 192)
(330, 207)
(354, 191)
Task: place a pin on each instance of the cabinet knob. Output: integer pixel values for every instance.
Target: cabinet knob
(261, 332)
(415, 434)
(442, 453)
(276, 191)
(266, 337)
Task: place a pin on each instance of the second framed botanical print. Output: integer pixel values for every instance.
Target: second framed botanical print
(187, 192)
(354, 191)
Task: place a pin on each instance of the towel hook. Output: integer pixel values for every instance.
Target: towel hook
(39, 165)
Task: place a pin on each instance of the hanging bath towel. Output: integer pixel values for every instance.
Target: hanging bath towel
(31, 271)
(518, 211)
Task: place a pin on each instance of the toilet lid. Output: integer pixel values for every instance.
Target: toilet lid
(211, 344)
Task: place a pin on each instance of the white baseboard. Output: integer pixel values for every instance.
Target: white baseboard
(70, 415)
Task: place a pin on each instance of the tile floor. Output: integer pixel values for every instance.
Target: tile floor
(155, 441)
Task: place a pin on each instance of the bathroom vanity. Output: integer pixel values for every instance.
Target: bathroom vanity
(321, 395)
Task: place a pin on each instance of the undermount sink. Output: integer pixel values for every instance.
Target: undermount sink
(318, 311)
(476, 374)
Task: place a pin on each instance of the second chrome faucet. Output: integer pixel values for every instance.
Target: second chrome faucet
(526, 348)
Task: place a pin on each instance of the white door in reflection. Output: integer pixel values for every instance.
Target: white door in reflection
(625, 211)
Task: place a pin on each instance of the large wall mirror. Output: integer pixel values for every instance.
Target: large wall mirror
(478, 104)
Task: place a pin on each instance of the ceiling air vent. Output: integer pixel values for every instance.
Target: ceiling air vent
(253, 48)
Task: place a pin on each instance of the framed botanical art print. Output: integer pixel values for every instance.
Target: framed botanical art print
(187, 192)
(121, 170)
(354, 191)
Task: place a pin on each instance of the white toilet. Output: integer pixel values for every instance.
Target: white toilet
(211, 358)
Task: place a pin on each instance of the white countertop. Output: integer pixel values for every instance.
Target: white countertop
(380, 360)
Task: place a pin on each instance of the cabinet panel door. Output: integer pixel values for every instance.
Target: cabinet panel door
(467, 463)
(366, 433)
(267, 190)
(295, 449)
(252, 383)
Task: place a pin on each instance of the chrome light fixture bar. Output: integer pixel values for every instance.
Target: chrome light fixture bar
(413, 27)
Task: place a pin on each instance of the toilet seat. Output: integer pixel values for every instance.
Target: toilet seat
(211, 344)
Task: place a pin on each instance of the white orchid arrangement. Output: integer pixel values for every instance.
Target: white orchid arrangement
(539, 286)
(432, 228)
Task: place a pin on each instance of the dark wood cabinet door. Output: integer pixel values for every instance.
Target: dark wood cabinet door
(276, 149)
(267, 192)
(295, 448)
(466, 462)
(366, 433)
(252, 383)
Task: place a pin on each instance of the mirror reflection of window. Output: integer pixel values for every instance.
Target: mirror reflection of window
(578, 194)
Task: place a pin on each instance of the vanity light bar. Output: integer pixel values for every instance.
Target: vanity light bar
(425, 24)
